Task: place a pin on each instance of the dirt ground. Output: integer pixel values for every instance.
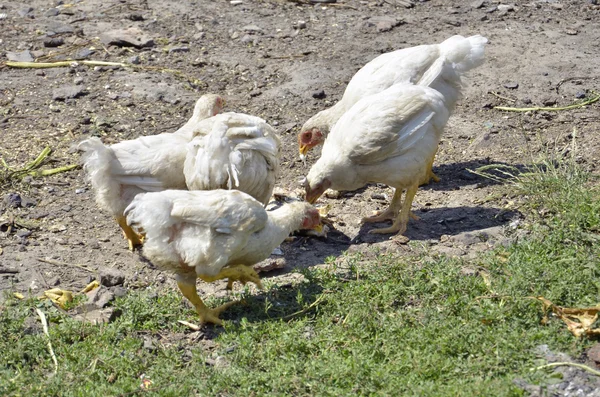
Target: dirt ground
(282, 61)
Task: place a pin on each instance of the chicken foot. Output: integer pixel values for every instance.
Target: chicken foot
(241, 273)
(391, 212)
(399, 225)
(206, 315)
(133, 239)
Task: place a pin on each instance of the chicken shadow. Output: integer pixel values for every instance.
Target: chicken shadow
(282, 302)
(435, 223)
(455, 175)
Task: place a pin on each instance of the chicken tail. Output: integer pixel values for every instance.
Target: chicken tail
(458, 55)
(97, 159)
(464, 53)
(150, 213)
(210, 163)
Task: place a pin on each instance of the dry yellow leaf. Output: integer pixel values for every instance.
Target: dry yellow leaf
(18, 295)
(579, 321)
(58, 296)
(91, 286)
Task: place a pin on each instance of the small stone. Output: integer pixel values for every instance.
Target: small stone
(100, 316)
(571, 32)
(580, 95)
(333, 194)
(66, 208)
(52, 12)
(25, 12)
(109, 276)
(379, 196)
(119, 292)
(179, 49)
(247, 39)
(131, 37)
(491, 9)
(135, 60)
(27, 202)
(148, 345)
(23, 56)
(84, 53)
(12, 200)
(136, 17)
(505, 7)
(594, 353)
(80, 190)
(23, 233)
(94, 245)
(453, 22)
(320, 94)
(478, 3)
(54, 281)
(301, 25)
(557, 6)
(549, 101)
(511, 85)
(68, 92)
(252, 28)
(51, 42)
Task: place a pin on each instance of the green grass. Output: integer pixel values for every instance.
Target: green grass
(395, 326)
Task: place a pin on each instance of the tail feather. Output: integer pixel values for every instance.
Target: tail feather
(458, 55)
(97, 159)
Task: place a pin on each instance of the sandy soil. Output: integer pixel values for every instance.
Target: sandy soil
(272, 59)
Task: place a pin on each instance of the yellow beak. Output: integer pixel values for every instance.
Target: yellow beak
(303, 150)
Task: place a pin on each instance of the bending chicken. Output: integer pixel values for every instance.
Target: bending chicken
(147, 164)
(212, 235)
(390, 138)
(402, 66)
(240, 152)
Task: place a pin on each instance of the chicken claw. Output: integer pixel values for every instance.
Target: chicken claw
(188, 289)
(241, 273)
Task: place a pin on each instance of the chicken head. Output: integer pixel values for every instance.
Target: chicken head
(307, 139)
(315, 189)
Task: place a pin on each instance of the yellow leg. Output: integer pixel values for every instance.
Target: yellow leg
(241, 273)
(399, 225)
(206, 315)
(430, 175)
(391, 212)
(133, 239)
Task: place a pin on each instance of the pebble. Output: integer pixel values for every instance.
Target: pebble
(80, 190)
(580, 94)
(127, 38)
(12, 200)
(135, 60)
(25, 12)
(319, 94)
(109, 276)
(301, 25)
(23, 233)
(511, 85)
(68, 92)
(23, 56)
(549, 101)
(179, 49)
(491, 9)
(478, 3)
(52, 12)
(27, 202)
(84, 53)
(505, 7)
(51, 42)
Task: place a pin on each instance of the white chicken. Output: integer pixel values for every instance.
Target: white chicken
(391, 137)
(146, 164)
(407, 65)
(212, 235)
(240, 152)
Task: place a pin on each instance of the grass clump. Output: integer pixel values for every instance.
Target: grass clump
(392, 326)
